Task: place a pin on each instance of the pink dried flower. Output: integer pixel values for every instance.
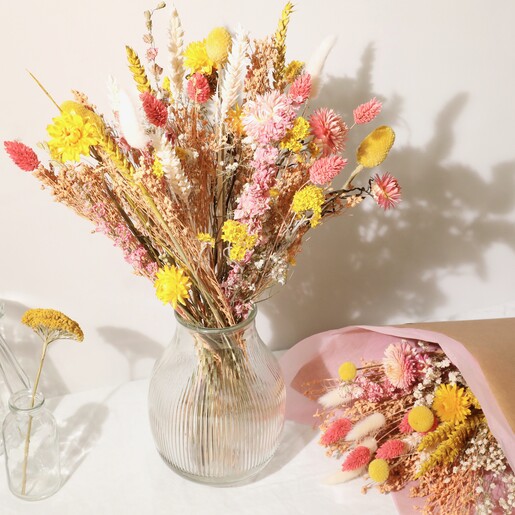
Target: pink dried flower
(268, 117)
(198, 88)
(404, 426)
(300, 89)
(386, 191)
(325, 169)
(22, 155)
(152, 268)
(391, 449)
(365, 113)
(155, 110)
(357, 458)
(336, 431)
(151, 53)
(329, 130)
(400, 364)
(433, 427)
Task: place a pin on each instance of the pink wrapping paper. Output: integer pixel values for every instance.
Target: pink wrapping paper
(479, 349)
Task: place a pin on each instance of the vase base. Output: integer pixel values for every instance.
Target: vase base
(221, 482)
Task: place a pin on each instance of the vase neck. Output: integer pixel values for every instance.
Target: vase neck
(22, 402)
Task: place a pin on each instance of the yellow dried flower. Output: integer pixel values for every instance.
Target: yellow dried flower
(196, 58)
(157, 168)
(166, 87)
(421, 418)
(309, 199)
(347, 371)
(280, 44)
(218, 45)
(71, 136)
(52, 324)
(375, 147)
(172, 285)
(292, 71)
(378, 470)
(274, 192)
(473, 399)
(138, 72)
(293, 139)
(234, 120)
(241, 241)
(205, 238)
(451, 403)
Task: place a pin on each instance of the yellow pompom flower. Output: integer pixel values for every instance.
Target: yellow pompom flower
(172, 285)
(378, 470)
(52, 324)
(157, 168)
(292, 71)
(241, 241)
(196, 58)
(347, 371)
(421, 419)
(72, 136)
(375, 147)
(218, 45)
(451, 403)
(309, 199)
(293, 139)
(205, 237)
(235, 120)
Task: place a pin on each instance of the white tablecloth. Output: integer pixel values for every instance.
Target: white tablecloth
(110, 466)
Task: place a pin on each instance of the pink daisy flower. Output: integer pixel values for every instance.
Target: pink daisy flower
(300, 89)
(336, 431)
(268, 117)
(198, 88)
(329, 130)
(22, 155)
(391, 449)
(365, 113)
(357, 458)
(386, 191)
(325, 169)
(400, 365)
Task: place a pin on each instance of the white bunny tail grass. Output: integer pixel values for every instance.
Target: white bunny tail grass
(366, 426)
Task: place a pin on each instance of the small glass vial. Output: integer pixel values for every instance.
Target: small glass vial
(31, 447)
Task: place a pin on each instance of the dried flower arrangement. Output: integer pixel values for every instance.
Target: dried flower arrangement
(412, 417)
(210, 184)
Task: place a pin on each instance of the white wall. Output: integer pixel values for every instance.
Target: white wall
(446, 71)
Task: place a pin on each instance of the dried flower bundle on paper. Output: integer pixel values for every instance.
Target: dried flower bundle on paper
(210, 180)
(412, 417)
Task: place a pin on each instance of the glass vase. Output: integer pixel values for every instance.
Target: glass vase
(31, 447)
(216, 403)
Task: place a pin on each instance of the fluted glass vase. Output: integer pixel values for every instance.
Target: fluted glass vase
(216, 403)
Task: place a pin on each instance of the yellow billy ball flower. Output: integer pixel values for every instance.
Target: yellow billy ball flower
(172, 285)
(218, 45)
(451, 403)
(378, 470)
(347, 371)
(373, 150)
(421, 419)
(309, 199)
(72, 136)
(196, 58)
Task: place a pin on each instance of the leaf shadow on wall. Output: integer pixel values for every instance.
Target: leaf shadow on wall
(370, 266)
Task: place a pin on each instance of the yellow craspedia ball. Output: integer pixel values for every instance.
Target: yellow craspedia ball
(421, 419)
(218, 45)
(347, 371)
(375, 147)
(378, 470)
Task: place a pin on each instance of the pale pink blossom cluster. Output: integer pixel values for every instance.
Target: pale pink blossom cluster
(401, 364)
(268, 117)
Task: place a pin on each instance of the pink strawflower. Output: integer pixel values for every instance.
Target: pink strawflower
(268, 117)
(336, 431)
(22, 155)
(391, 449)
(365, 113)
(198, 88)
(155, 110)
(152, 54)
(357, 458)
(300, 89)
(329, 130)
(325, 169)
(400, 364)
(404, 426)
(386, 191)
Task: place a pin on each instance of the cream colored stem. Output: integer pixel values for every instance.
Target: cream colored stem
(352, 176)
